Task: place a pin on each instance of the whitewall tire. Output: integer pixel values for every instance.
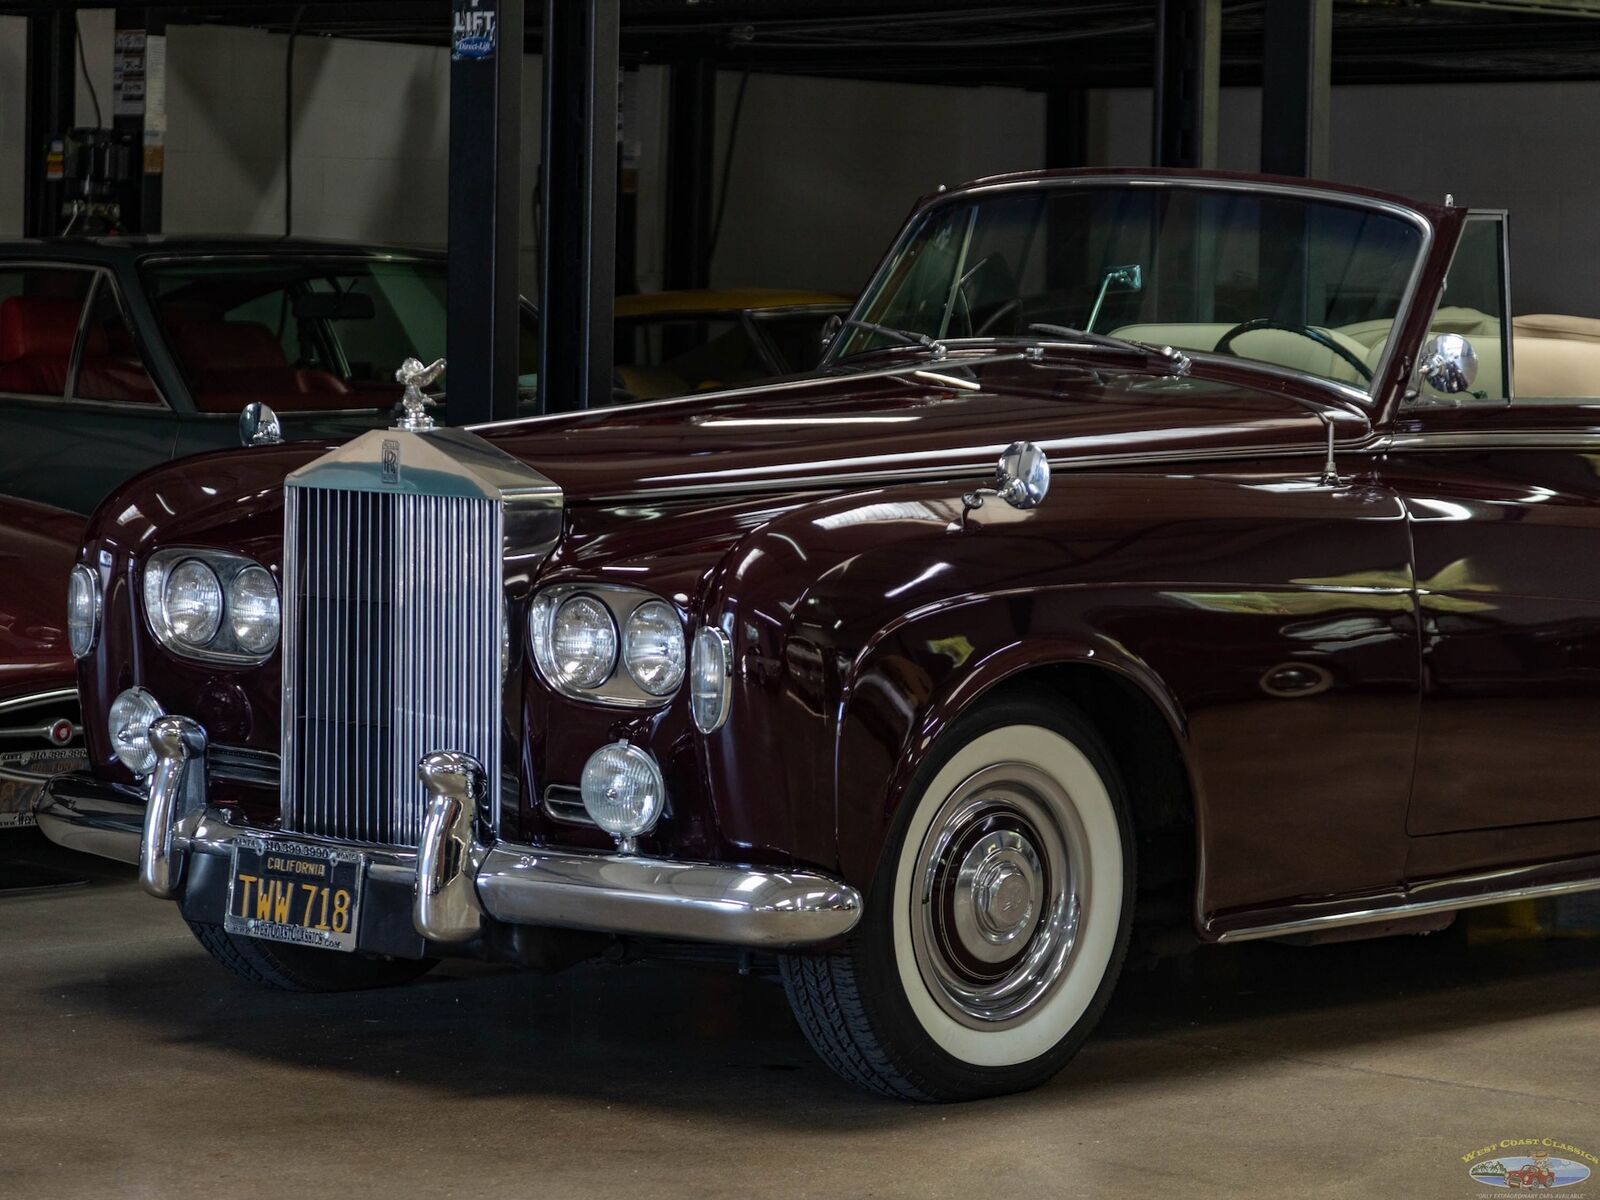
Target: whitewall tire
(997, 925)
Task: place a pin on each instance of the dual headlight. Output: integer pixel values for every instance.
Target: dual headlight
(212, 605)
(619, 645)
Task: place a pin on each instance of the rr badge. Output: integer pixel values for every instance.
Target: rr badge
(391, 462)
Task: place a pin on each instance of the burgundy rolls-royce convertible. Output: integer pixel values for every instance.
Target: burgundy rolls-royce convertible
(1279, 618)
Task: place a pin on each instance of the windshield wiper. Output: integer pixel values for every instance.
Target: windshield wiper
(1178, 358)
(908, 337)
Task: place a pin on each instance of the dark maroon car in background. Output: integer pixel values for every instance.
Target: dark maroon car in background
(40, 734)
(1279, 616)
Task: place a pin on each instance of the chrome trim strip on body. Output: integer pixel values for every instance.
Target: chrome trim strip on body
(793, 383)
(802, 483)
(1488, 440)
(53, 696)
(1399, 909)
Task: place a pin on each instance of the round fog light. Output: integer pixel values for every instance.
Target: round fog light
(622, 790)
(132, 714)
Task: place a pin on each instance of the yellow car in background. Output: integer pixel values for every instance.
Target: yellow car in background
(671, 343)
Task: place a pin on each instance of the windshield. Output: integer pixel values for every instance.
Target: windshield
(303, 333)
(1292, 280)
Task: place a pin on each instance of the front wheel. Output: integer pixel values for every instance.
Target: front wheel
(304, 968)
(999, 920)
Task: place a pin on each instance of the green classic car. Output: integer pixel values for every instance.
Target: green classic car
(120, 353)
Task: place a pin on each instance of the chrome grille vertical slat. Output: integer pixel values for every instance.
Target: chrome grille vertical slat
(391, 649)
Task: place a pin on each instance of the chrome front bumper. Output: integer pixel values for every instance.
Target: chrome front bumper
(455, 883)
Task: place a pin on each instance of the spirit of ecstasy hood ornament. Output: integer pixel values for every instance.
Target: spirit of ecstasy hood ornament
(414, 405)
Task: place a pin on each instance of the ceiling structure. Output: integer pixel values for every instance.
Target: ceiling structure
(1092, 43)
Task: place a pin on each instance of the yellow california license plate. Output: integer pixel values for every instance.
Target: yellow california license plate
(293, 892)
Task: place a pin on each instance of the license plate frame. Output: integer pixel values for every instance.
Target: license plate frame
(314, 877)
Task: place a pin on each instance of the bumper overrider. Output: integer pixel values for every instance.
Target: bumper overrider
(453, 885)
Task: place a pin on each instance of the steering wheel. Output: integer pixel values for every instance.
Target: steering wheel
(1311, 332)
(1009, 309)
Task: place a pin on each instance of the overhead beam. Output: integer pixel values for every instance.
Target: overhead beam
(578, 186)
(482, 309)
(1296, 68)
(1188, 79)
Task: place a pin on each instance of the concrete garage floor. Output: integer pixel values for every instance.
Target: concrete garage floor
(131, 1066)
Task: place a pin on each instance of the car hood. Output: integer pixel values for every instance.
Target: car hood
(854, 429)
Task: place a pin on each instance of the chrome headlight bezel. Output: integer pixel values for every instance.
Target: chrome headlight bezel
(618, 688)
(83, 576)
(224, 646)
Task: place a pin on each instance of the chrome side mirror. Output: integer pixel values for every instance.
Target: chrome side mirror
(1021, 479)
(1448, 364)
(259, 425)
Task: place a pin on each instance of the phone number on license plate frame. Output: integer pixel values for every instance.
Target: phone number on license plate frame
(294, 892)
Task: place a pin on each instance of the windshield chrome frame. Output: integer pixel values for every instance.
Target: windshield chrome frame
(1368, 397)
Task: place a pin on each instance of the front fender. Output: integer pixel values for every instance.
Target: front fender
(919, 675)
(1266, 615)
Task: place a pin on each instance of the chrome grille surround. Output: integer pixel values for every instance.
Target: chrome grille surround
(399, 549)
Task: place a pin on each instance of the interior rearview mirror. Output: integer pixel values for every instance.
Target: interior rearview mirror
(334, 306)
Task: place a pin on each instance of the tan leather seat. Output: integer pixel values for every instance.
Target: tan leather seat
(1554, 355)
(1275, 346)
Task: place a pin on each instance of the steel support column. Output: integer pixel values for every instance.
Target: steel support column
(577, 288)
(51, 100)
(481, 330)
(1296, 57)
(137, 111)
(691, 142)
(1187, 79)
(1066, 127)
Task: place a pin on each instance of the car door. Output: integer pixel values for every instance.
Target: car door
(78, 410)
(1503, 494)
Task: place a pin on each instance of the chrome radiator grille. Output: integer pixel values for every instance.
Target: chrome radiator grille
(391, 649)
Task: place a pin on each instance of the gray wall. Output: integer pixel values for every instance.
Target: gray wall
(823, 171)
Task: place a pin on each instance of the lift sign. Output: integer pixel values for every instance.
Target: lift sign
(473, 35)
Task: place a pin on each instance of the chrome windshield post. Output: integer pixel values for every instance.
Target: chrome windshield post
(177, 791)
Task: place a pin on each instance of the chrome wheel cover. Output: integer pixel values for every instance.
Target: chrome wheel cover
(1001, 880)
